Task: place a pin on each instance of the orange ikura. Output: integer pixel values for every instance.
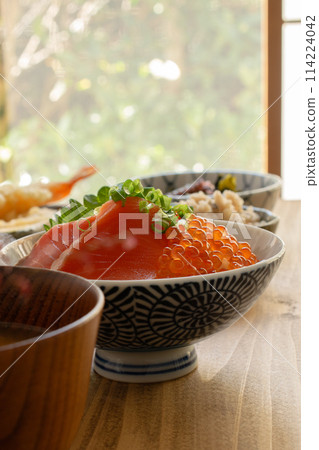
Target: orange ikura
(202, 248)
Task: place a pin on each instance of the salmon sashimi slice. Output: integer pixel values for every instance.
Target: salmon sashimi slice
(54, 242)
(123, 246)
(118, 244)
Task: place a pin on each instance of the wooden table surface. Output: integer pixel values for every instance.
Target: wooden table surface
(245, 393)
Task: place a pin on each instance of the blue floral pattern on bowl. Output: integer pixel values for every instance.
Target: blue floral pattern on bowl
(167, 315)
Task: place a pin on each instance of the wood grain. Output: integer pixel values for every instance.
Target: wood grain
(244, 394)
(272, 75)
(43, 383)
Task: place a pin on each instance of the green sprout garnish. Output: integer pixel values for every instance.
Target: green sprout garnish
(167, 215)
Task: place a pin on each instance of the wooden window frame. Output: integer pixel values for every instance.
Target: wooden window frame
(272, 49)
(273, 52)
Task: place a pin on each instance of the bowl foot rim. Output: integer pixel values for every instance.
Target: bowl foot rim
(145, 367)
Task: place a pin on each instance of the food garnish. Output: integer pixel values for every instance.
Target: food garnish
(226, 182)
(149, 196)
(160, 240)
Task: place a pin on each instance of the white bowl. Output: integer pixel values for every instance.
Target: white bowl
(149, 327)
(257, 189)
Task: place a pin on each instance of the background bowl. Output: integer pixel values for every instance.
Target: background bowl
(257, 189)
(149, 327)
(44, 383)
(268, 220)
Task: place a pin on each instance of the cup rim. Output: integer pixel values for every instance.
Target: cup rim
(97, 308)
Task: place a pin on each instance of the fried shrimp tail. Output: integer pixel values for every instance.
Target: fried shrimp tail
(61, 190)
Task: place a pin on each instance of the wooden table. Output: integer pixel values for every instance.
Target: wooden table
(244, 393)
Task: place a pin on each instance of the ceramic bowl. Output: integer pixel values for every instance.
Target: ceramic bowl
(268, 220)
(257, 189)
(149, 327)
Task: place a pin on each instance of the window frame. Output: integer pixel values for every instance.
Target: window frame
(273, 53)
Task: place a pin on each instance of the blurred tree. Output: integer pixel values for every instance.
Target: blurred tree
(136, 86)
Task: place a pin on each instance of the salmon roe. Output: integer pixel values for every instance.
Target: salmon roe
(200, 249)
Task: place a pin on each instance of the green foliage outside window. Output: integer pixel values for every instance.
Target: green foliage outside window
(137, 87)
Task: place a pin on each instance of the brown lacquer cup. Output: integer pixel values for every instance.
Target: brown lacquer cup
(44, 381)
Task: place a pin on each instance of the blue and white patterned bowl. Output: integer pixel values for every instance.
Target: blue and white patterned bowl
(149, 327)
(257, 189)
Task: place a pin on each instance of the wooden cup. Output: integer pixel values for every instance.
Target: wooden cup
(44, 383)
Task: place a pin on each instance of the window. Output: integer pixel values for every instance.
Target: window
(134, 86)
